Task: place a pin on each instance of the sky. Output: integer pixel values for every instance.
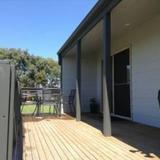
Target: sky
(40, 26)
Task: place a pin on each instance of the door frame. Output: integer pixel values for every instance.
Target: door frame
(130, 84)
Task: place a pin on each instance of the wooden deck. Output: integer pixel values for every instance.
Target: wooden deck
(51, 138)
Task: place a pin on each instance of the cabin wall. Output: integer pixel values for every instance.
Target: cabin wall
(144, 44)
(88, 81)
(68, 79)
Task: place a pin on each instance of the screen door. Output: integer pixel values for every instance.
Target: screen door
(122, 84)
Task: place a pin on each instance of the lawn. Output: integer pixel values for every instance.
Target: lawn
(29, 109)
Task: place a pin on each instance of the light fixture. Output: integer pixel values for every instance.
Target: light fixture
(127, 24)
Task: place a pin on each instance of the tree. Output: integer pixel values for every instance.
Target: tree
(32, 71)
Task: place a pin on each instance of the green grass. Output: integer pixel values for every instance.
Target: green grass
(29, 109)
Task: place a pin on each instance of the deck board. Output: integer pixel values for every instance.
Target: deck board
(64, 138)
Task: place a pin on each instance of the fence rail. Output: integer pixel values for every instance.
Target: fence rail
(38, 101)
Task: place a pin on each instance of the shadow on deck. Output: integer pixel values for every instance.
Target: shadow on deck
(145, 139)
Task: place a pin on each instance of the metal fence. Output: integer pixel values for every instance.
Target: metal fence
(11, 145)
(38, 101)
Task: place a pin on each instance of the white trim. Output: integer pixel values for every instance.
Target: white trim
(130, 83)
(120, 50)
(113, 83)
(123, 117)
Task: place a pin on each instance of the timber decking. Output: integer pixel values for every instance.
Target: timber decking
(52, 138)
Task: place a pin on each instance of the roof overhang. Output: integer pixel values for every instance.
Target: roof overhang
(94, 16)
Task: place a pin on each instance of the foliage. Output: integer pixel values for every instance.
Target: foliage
(32, 71)
(29, 109)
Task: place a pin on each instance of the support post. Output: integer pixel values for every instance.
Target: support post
(78, 81)
(61, 111)
(61, 78)
(107, 75)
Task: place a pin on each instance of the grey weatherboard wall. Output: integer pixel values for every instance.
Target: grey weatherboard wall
(10, 145)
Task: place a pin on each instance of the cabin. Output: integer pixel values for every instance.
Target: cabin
(113, 56)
